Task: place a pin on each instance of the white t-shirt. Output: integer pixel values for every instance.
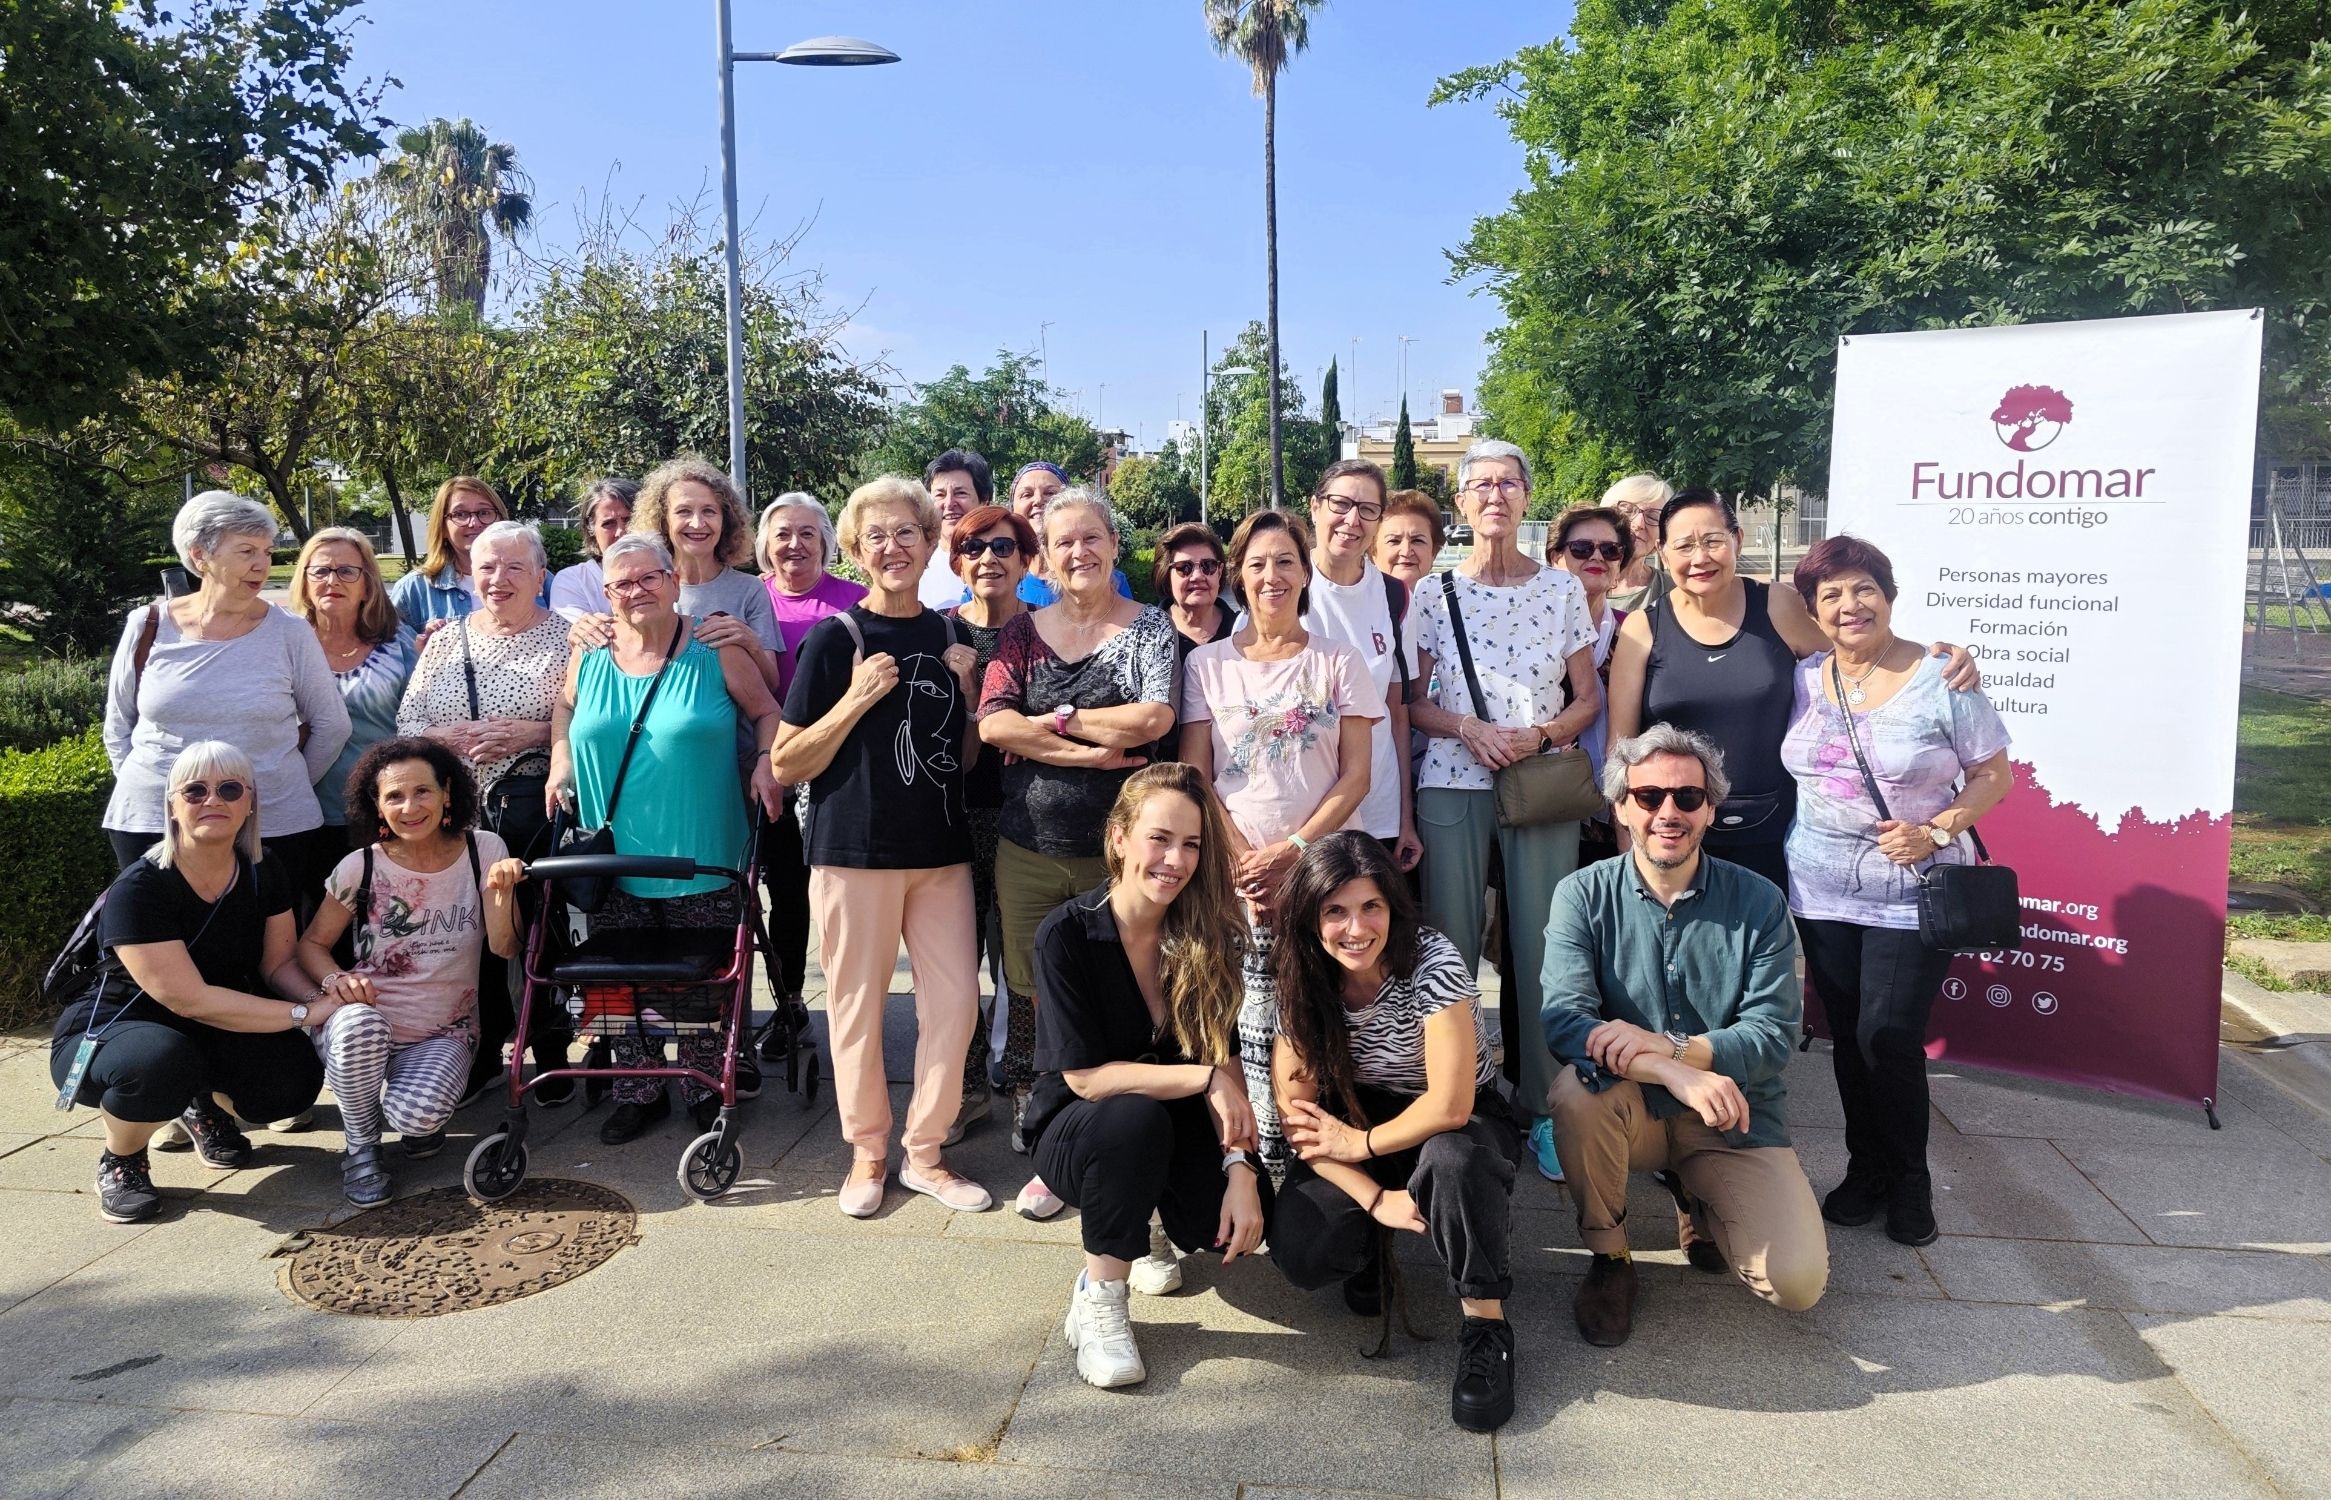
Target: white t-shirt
(1361, 617)
(940, 588)
(1522, 637)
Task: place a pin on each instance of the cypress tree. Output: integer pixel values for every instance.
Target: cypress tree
(1403, 452)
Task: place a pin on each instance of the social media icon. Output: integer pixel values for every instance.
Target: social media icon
(2044, 1003)
(1954, 988)
(2000, 995)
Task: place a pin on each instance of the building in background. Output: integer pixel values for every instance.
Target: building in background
(1441, 437)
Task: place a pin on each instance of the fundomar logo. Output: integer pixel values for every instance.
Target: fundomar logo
(2029, 417)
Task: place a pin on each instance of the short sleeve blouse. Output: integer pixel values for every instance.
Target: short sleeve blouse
(519, 677)
(1522, 638)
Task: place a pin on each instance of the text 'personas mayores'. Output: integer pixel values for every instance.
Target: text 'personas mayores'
(2034, 495)
(2019, 625)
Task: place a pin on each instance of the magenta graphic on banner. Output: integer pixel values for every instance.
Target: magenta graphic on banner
(2095, 569)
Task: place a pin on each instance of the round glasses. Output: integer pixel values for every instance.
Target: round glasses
(194, 792)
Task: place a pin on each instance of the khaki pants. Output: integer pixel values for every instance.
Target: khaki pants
(1759, 1207)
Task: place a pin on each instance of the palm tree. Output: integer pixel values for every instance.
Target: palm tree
(1264, 34)
(456, 190)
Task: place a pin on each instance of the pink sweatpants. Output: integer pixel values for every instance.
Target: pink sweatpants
(861, 916)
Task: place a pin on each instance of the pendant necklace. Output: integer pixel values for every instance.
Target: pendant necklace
(1854, 693)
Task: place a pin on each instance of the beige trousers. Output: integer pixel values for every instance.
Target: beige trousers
(1759, 1207)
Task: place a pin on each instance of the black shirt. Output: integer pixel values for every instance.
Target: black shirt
(1740, 694)
(892, 797)
(984, 787)
(148, 904)
(1091, 1011)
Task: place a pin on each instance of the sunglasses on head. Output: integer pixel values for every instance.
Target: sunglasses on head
(1688, 799)
(201, 791)
(1199, 567)
(1583, 549)
(1001, 546)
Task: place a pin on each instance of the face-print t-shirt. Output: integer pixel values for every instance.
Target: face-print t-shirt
(892, 797)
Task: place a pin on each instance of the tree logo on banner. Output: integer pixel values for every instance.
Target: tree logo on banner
(2029, 417)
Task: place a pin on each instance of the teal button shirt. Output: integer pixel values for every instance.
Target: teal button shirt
(1721, 963)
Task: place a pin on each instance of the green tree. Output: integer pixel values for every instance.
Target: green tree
(1265, 35)
(79, 520)
(1241, 421)
(1403, 452)
(1717, 192)
(139, 149)
(1007, 415)
(1331, 418)
(455, 190)
(418, 397)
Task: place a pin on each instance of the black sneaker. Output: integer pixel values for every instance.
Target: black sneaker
(125, 1188)
(551, 1093)
(705, 1111)
(748, 1076)
(420, 1146)
(1856, 1200)
(1910, 1213)
(217, 1139)
(1482, 1399)
(626, 1121)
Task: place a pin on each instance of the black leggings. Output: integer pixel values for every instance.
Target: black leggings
(1118, 1160)
(1462, 1181)
(145, 1072)
(785, 874)
(1877, 986)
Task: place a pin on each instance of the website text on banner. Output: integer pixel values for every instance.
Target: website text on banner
(2072, 502)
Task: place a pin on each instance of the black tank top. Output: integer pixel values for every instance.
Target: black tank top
(1739, 694)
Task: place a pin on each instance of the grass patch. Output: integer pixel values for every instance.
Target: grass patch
(2282, 816)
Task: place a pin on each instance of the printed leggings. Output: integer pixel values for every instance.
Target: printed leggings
(414, 1085)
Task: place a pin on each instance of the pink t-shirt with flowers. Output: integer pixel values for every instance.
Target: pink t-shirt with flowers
(1276, 728)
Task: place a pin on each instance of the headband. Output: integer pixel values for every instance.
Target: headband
(1048, 467)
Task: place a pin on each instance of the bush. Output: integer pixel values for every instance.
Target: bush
(562, 546)
(77, 539)
(51, 804)
(50, 701)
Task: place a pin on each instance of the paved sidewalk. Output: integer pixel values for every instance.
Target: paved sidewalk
(2123, 1303)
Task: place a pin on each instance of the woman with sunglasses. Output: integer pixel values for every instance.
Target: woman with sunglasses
(198, 1018)
(1188, 576)
(991, 548)
(1592, 543)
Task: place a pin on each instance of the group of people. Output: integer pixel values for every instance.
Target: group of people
(1233, 860)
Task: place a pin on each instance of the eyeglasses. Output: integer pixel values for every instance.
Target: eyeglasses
(904, 536)
(201, 791)
(474, 517)
(1714, 543)
(1001, 546)
(1689, 799)
(642, 583)
(1195, 567)
(1482, 489)
(1583, 549)
(1344, 505)
(342, 573)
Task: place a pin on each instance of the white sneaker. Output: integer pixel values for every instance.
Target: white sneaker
(1036, 1201)
(1158, 1272)
(1101, 1333)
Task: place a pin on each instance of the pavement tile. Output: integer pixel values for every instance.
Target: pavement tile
(2199, 1195)
(2283, 1090)
(203, 1455)
(1982, 1102)
(2132, 1278)
(47, 1447)
(50, 1238)
(1849, 1398)
(2267, 1384)
(28, 1095)
(2017, 1189)
(68, 1164)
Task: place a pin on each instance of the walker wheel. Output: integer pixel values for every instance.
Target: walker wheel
(495, 1168)
(808, 1074)
(707, 1169)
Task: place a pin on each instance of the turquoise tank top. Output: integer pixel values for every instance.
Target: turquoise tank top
(682, 795)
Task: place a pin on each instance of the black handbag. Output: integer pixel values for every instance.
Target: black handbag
(513, 806)
(587, 893)
(1961, 908)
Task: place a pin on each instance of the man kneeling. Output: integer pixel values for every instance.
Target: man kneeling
(1672, 1000)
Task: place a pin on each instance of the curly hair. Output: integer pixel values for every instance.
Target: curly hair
(1202, 948)
(735, 547)
(461, 788)
(1312, 1018)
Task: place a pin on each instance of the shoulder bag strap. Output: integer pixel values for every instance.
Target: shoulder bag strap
(469, 668)
(1396, 604)
(1869, 782)
(1464, 649)
(470, 838)
(857, 636)
(639, 722)
(145, 647)
(364, 890)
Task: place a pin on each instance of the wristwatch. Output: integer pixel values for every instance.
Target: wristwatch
(1678, 1040)
(299, 1015)
(1545, 742)
(1941, 839)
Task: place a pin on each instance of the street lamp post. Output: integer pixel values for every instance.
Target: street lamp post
(818, 52)
(1206, 374)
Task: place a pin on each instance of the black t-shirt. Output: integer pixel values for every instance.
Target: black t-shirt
(984, 787)
(1090, 1009)
(148, 904)
(892, 797)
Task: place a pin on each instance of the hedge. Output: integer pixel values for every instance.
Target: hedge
(56, 857)
(47, 701)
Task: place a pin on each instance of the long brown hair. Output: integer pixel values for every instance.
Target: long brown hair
(439, 556)
(1202, 946)
(1312, 1018)
(376, 617)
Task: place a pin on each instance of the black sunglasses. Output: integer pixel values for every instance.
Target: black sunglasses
(1583, 549)
(1204, 567)
(1688, 799)
(200, 791)
(1001, 546)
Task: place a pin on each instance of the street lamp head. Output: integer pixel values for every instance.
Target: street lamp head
(836, 52)
(1234, 372)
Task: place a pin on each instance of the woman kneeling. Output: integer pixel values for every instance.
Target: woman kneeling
(1139, 1105)
(1386, 1088)
(419, 904)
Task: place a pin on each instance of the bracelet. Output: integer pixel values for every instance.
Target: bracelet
(1372, 1202)
(1299, 841)
(1235, 1159)
(1368, 1139)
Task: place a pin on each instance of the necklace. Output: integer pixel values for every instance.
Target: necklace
(1854, 694)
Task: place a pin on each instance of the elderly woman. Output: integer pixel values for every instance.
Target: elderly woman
(797, 551)
(603, 515)
(1638, 498)
(485, 688)
(337, 588)
(1033, 490)
(445, 586)
(1079, 692)
(878, 724)
(991, 548)
(1188, 576)
(1387, 1082)
(1279, 719)
(198, 1017)
(223, 664)
(1531, 640)
(1409, 539)
(1872, 716)
(681, 794)
(1594, 544)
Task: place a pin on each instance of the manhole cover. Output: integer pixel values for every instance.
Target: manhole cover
(439, 1252)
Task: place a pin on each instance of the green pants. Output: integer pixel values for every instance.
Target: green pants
(1457, 828)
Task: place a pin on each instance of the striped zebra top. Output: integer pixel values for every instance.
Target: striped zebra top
(1388, 1050)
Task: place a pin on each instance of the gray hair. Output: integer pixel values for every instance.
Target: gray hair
(1492, 448)
(829, 544)
(1664, 739)
(209, 760)
(507, 531)
(1077, 494)
(211, 517)
(637, 541)
(1646, 490)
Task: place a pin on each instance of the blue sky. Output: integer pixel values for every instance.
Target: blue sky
(1087, 164)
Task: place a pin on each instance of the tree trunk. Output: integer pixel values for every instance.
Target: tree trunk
(1271, 257)
(401, 517)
